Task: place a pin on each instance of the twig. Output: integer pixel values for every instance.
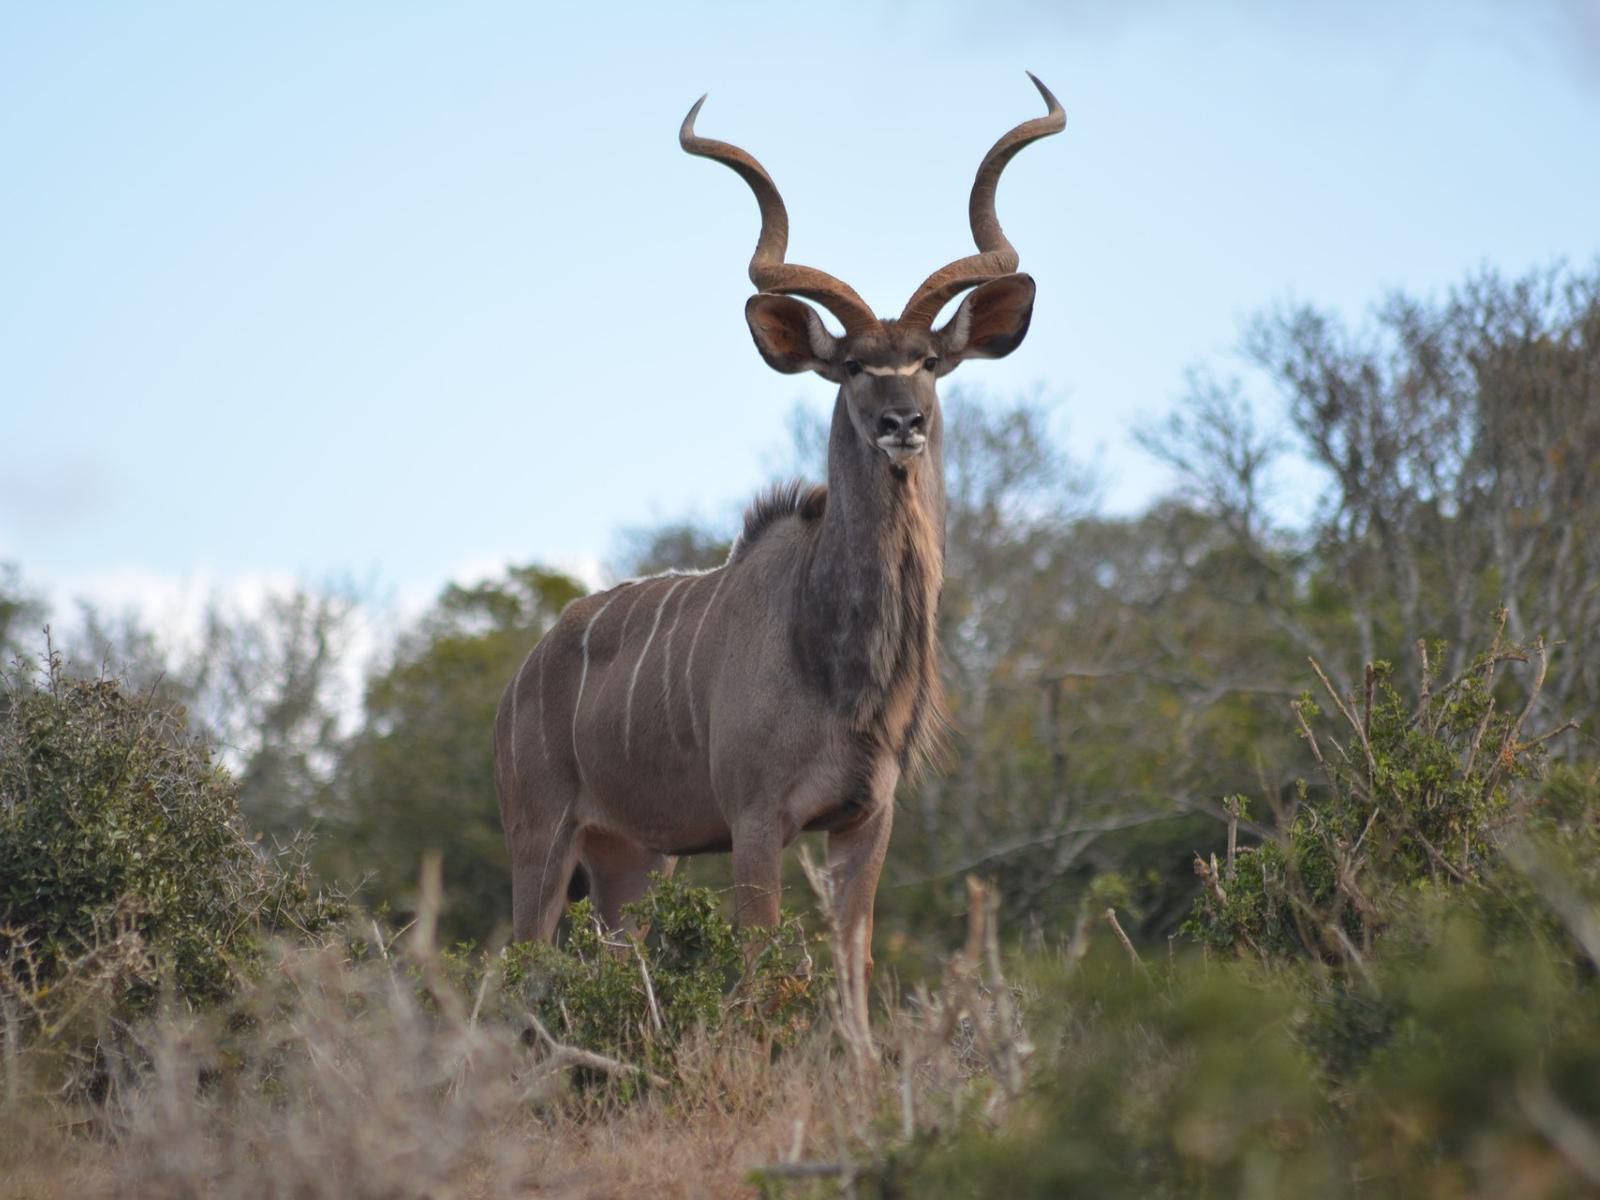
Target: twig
(1333, 693)
(1581, 918)
(1459, 875)
(798, 1143)
(1231, 804)
(561, 1055)
(1365, 829)
(1508, 744)
(430, 897)
(908, 1106)
(1011, 1051)
(1211, 878)
(649, 990)
(483, 990)
(1425, 699)
(1337, 939)
(1578, 1142)
(1564, 727)
(1477, 738)
(1111, 918)
(849, 977)
(1316, 750)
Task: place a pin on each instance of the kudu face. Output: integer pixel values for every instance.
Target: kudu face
(887, 375)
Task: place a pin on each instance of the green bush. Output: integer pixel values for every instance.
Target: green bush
(124, 871)
(1414, 797)
(1173, 1081)
(1407, 1002)
(637, 997)
(1196, 1079)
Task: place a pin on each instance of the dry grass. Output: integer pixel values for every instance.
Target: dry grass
(339, 1078)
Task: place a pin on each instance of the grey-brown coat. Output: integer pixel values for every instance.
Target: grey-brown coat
(788, 689)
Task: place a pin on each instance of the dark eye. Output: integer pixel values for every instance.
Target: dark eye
(852, 367)
(931, 363)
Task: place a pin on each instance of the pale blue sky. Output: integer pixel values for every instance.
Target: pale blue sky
(403, 290)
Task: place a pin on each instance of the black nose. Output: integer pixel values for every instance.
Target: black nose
(899, 421)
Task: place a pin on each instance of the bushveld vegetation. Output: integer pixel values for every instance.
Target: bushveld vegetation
(1265, 860)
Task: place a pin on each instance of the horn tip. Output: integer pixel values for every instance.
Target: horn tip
(686, 130)
(1049, 96)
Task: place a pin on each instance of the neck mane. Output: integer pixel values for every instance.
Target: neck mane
(865, 627)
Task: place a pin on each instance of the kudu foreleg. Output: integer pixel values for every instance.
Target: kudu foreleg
(855, 860)
(757, 873)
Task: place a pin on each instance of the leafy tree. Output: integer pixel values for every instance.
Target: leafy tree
(419, 775)
(20, 612)
(1458, 441)
(270, 687)
(265, 684)
(1414, 795)
(124, 867)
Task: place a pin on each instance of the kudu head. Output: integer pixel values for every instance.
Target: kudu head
(886, 368)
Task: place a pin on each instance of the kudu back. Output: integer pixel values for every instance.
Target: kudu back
(788, 689)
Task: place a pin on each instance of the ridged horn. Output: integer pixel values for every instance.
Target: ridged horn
(768, 271)
(996, 256)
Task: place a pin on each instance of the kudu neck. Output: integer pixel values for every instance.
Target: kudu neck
(868, 498)
(864, 626)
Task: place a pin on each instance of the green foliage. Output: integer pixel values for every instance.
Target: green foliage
(123, 866)
(636, 997)
(1166, 1083)
(1196, 1079)
(1408, 1005)
(18, 611)
(1414, 797)
(420, 774)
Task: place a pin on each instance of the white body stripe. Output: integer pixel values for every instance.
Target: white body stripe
(583, 677)
(544, 741)
(627, 716)
(688, 669)
(666, 662)
(516, 686)
(622, 638)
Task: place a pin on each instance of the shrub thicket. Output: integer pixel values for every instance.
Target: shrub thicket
(1414, 796)
(636, 998)
(1397, 994)
(124, 870)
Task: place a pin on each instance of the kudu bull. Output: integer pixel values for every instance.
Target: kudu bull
(789, 688)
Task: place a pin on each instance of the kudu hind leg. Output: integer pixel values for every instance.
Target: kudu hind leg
(619, 873)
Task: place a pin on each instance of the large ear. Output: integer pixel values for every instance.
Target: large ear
(991, 322)
(790, 336)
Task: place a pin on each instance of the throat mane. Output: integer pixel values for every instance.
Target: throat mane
(865, 629)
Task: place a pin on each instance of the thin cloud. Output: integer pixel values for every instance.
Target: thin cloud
(45, 498)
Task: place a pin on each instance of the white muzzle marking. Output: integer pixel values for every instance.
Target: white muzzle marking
(902, 448)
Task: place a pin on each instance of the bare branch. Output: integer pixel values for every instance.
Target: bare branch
(1576, 1140)
(1116, 927)
(560, 1055)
